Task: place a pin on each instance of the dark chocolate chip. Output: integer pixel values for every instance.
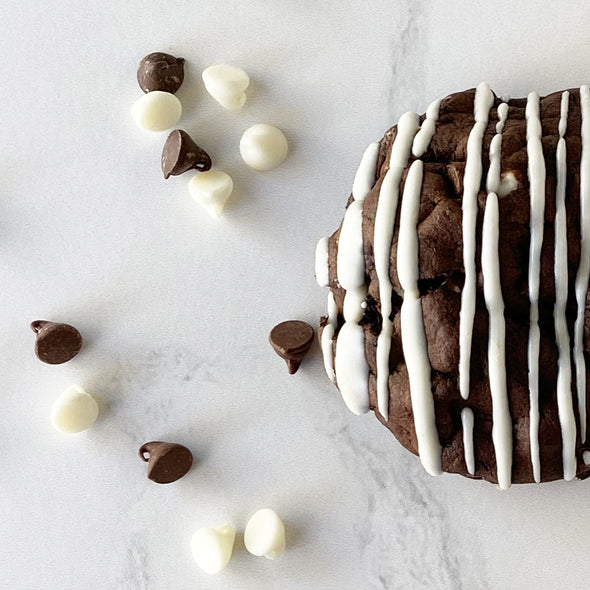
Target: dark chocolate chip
(56, 343)
(167, 462)
(181, 153)
(292, 340)
(160, 71)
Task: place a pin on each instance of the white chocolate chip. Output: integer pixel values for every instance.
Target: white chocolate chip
(74, 411)
(156, 111)
(265, 534)
(211, 189)
(507, 184)
(212, 547)
(226, 84)
(263, 147)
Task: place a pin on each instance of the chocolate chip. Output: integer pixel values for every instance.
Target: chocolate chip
(56, 343)
(167, 462)
(181, 153)
(292, 340)
(160, 71)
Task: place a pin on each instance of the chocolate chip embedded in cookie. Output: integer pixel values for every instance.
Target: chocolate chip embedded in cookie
(458, 286)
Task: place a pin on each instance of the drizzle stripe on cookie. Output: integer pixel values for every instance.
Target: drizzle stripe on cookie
(490, 266)
(536, 174)
(496, 349)
(467, 422)
(494, 181)
(484, 99)
(426, 132)
(322, 272)
(350, 363)
(327, 339)
(412, 325)
(584, 268)
(565, 408)
(384, 225)
(364, 179)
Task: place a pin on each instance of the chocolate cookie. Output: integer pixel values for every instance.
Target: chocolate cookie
(458, 307)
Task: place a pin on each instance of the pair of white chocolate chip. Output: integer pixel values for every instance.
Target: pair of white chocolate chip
(263, 147)
(264, 536)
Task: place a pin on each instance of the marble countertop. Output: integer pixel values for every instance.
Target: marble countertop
(176, 308)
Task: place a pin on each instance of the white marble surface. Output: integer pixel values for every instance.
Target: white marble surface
(176, 308)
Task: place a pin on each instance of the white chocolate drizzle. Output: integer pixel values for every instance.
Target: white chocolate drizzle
(501, 427)
(350, 262)
(384, 225)
(467, 422)
(484, 99)
(365, 175)
(350, 363)
(354, 305)
(494, 180)
(322, 272)
(352, 371)
(565, 408)
(426, 132)
(490, 266)
(327, 339)
(412, 325)
(536, 174)
(583, 275)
